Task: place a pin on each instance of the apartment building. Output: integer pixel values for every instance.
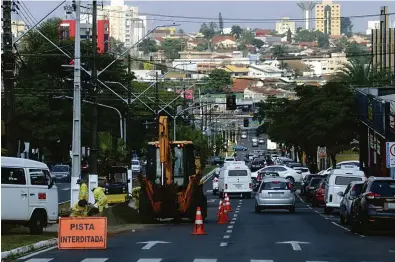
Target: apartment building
(17, 28)
(327, 18)
(67, 30)
(383, 43)
(376, 25)
(326, 65)
(284, 25)
(125, 23)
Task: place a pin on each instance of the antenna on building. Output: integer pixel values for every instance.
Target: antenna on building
(307, 8)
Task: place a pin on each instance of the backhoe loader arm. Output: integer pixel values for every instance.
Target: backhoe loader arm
(165, 150)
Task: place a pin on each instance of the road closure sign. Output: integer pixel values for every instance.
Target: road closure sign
(82, 233)
(390, 154)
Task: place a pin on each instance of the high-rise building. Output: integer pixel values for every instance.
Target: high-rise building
(284, 25)
(383, 43)
(327, 18)
(67, 30)
(125, 24)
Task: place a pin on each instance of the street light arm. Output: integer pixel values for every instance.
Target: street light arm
(130, 48)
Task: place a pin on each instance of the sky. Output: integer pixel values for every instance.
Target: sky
(266, 10)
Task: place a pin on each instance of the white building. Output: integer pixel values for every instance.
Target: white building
(284, 25)
(265, 71)
(125, 23)
(376, 25)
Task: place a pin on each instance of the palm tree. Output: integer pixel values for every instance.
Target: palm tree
(358, 74)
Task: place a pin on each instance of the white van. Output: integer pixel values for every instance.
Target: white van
(28, 194)
(336, 182)
(235, 179)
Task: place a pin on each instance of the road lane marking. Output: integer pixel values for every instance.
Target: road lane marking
(237, 211)
(149, 260)
(234, 219)
(238, 206)
(226, 236)
(36, 253)
(204, 260)
(315, 261)
(391, 251)
(232, 222)
(235, 215)
(300, 199)
(95, 260)
(230, 227)
(336, 224)
(229, 231)
(211, 201)
(65, 189)
(259, 260)
(223, 244)
(39, 260)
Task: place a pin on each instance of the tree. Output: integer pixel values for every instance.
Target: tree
(257, 43)
(171, 47)
(43, 117)
(355, 51)
(148, 45)
(246, 37)
(112, 151)
(289, 36)
(305, 36)
(279, 51)
(208, 30)
(217, 81)
(346, 26)
(116, 47)
(236, 31)
(181, 31)
(202, 46)
(221, 23)
(322, 39)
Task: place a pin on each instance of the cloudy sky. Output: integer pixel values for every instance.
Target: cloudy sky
(197, 12)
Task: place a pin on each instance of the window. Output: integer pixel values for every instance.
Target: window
(135, 162)
(13, 176)
(347, 189)
(237, 173)
(275, 185)
(345, 180)
(384, 188)
(315, 181)
(60, 169)
(39, 177)
(280, 169)
(179, 162)
(269, 169)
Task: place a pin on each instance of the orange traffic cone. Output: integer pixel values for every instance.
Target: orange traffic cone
(199, 227)
(223, 216)
(227, 204)
(219, 208)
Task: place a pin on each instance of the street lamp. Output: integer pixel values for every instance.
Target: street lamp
(122, 134)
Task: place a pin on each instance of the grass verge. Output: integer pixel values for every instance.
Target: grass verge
(207, 169)
(20, 236)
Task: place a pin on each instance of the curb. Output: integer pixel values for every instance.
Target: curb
(64, 202)
(207, 176)
(26, 249)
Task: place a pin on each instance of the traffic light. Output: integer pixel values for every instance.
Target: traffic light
(246, 122)
(231, 102)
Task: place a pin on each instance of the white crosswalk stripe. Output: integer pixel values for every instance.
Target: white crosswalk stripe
(163, 260)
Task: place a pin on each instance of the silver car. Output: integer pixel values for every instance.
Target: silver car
(275, 193)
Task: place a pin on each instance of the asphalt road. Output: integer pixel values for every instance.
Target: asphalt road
(249, 237)
(63, 191)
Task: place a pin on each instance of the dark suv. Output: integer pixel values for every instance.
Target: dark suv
(375, 206)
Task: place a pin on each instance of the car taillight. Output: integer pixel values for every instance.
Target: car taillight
(226, 186)
(372, 195)
(275, 182)
(250, 185)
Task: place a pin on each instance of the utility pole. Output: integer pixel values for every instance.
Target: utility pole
(8, 67)
(76, 146)
(94, 149)
(157, 104)
(128, 141)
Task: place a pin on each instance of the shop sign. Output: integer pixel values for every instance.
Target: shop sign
(390, 154)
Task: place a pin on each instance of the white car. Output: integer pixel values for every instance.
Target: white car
(305, 171)
(344, 164)
(215, 185)
(254, 140)
(136, 167)
(261, 141)
(284, 171)
(244, 135)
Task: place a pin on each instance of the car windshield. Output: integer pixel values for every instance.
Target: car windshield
(60, 169)
(275, 185)
(384, 188)
(135, 163)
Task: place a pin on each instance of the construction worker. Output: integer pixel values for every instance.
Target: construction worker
(100, 198)
(83, 194)
(80, 209)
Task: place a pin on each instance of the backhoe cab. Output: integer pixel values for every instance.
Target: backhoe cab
(171, 187)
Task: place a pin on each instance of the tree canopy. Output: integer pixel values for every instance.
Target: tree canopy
(217, 81)
(308, 36)
(148, 45)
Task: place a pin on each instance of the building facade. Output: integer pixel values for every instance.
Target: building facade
(326, 65)
(383, 44)
(67, 30)
(328, 18)
(284, 25)
(372, 25)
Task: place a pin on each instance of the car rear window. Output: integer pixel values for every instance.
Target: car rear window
(135, 163)
(345, 180)
(315, 181)
(275, 185)
(383, 188)
(237, 173)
